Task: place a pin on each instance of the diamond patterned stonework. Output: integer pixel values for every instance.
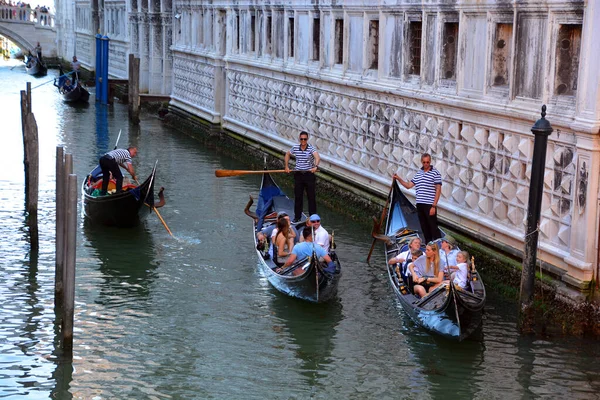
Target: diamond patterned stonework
(484, 170)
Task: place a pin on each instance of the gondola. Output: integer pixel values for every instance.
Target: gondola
(450, 311)
(313, 284)
(34, 66)
(70, 88)
(125, 209)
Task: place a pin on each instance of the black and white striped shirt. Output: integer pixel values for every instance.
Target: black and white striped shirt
(304, 158)
(121, 156)
(425, 183)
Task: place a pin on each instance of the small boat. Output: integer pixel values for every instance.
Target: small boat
(125, 209)
(34, 66)
(70, 88)
(312, 284)
(448, 310)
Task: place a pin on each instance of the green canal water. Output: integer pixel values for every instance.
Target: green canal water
(192, 317)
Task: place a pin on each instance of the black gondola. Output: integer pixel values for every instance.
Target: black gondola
(34, 66)
(70, 88)
(448, 310)
(125, 209)
(313, 284)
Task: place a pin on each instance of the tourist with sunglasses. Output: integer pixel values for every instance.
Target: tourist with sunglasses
(307, 161)
(321, 236)
(427, 273)
(428, 184)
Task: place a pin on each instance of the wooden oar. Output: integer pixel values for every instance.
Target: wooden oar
(157, 214)
(223, 173)
(387, 202)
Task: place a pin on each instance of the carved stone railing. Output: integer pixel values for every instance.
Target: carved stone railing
(26, 15)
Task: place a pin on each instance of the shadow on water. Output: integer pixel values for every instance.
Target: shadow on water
(127, 259)
(312, 328)
(446, 366)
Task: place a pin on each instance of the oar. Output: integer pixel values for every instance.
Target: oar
(387, 202)
(157, 214)
(222, 173)
(118, 137)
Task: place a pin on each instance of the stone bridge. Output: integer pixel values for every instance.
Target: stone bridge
(25, 27)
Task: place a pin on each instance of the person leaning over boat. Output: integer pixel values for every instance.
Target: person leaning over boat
(305, 249)
(110, 162)
(448, 252)
(428, 183)
(426, 272)
(321, 236)
(307, 161)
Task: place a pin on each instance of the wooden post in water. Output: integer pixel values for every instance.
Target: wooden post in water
(31, 165)
(134, 89)
(68, 170)
(32, 190)
(70, 256)
(60, 227)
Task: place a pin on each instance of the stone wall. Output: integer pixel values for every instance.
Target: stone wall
(378, 86)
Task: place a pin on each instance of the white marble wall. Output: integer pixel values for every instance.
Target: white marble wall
(370, 122)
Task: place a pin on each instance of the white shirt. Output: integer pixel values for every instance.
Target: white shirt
(461, 275)
(322, 238)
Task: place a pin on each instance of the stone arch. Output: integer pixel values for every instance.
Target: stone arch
(24, 44)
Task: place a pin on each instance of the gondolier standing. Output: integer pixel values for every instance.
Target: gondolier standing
(110, 162)
(307, 161)
(428, 183)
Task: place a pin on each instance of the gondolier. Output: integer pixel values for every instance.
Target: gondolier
(307, 161)
(428, 183)
(110, 162)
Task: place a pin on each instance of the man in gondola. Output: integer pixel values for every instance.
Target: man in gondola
(110, 162)
(75, 65)
(306, 248)
(428, 184)
(307, 162)
(38, 51)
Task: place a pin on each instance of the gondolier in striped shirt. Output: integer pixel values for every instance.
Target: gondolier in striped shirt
(110, 162)
(307, 161)
(428, 184)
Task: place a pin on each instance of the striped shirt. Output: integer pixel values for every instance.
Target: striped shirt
(425, 183)
(304, 158)
(121, 156)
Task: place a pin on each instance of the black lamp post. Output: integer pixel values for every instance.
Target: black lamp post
(541, 130)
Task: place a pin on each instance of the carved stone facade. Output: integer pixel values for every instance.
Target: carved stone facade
(133, 26)
(378, 86)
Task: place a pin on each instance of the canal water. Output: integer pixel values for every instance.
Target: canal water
(193, 318)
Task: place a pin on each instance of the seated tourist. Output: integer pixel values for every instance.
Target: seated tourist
(448, 251)
(426, 272)
(321, 236)
(305, 249)
(462, 269)
(284, 241)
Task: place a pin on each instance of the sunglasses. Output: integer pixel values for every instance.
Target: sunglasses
(303, 139)
(316, 220)
(432, 243)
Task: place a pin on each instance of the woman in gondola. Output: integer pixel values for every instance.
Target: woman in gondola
(284, 240)
(426, 272)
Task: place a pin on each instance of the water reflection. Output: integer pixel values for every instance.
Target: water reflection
(102, 137)
(127, 261)
(312, 328)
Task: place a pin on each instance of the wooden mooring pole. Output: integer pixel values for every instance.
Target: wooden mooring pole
(70, 257)
(31, 165)
(134, 89)
(60, 227)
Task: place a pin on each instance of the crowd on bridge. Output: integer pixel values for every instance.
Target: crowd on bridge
(24, 12)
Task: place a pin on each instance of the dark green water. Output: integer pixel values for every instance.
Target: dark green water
(192, 318)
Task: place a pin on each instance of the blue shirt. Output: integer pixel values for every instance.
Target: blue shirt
(305, 249)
